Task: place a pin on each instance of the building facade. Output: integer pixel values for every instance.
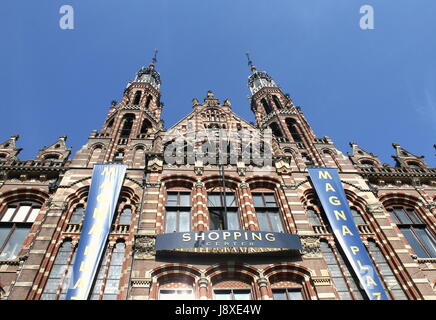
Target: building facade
(43, 201)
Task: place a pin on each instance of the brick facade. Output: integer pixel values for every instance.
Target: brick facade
(133, 134)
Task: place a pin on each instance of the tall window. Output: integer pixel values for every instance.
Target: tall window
(147, 102)
(287, 294)
(232, 294)
(58, 280)
(277, 102)
(15, 224)
(178, 212)
(340, 271)
(217, 210)
(78, 214)
(106, 286)
(357, 217)
(415, 231)
(267, 212)
(137, 98)
(293, 129)
(266, 106)
(313, 217)
(127, 125)
(386, 271)
(126, 216)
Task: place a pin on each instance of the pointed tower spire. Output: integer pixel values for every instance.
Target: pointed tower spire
(258, 79)
(149, 74)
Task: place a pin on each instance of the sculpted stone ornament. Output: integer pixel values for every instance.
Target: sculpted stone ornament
(311, 246)
(144, 247)
(241, 168)
(283, 167)
(199, 168)
(375, 208)
(155, 164)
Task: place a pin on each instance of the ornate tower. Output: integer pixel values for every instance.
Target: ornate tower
(276, 110)
(130, 126)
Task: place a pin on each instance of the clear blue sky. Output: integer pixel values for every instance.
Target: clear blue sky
(373, 87)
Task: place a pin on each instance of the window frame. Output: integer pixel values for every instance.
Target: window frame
(12, 225)
(268, 210)
(232, 292)
(233, 208)
(300, 290)
(177, 207)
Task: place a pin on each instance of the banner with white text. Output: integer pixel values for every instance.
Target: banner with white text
(331, 193)
(106, 183)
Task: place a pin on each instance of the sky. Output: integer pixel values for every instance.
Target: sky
(373, 87)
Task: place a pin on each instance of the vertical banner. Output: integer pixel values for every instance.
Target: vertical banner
(331, 193)
(106, 183)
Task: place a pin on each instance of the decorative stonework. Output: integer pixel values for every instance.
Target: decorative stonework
(199, 168)
(375, 208)
(154, 184)
(155, 164)
(311, 246)
(283, 167)
(144, 247)
(142, 283)
(56, 205)
(241, 168)
(322, 281)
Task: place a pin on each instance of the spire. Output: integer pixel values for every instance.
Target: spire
(250, 63)
(258, 79)
(149, 74)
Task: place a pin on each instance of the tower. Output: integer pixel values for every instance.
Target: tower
(275, 109)
(130, 126)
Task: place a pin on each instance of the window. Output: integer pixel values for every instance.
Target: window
(147, 102)
(267, 212)
(415, 231)
(386, 271)
(137, 98)
(127, 125)
(277, 102)
(58, 280)
(340, 271)
(313, 217)
(217, 210)
(287, 294)
(357, 217)
(367, 163)
(414, 165)
(106, 286)
(15, 224)
(176, 294)
(178, 212)
(232, 294)
(266, 106)
(125, 217)
(276, 130)
(78, 214)
(292, 126)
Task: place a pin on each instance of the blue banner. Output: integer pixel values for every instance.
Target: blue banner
(106, 183)
(251, 241)
(331, 193)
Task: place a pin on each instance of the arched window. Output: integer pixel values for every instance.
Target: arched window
(175, 287)
(266, 106)
(147, 102)
(127, 125)
(294, 129)
(276, 130)
(340, 271)
(78, 214)
(277, 102)
(57, 284)
(126, 216)
(313, 217)
(106, 286)
(95, 155)
(367, 163)
(232, 288)
(414, 165)
(15, 223)
(267, 212)
(110, 125)
(385, 270)
(146, 127)
(51, 157)
(218, 206)
(178, 212)
(415, 231)
(137, 97)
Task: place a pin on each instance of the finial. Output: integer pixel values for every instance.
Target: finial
(154, 60)
(250, 63)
